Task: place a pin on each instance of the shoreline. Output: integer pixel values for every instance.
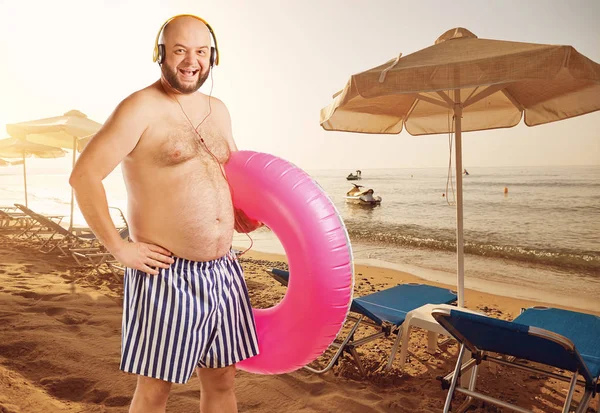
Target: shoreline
(267, 248)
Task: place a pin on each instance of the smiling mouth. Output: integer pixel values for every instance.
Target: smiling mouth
(188, 73)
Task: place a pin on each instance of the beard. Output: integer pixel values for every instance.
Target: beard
(171, 77)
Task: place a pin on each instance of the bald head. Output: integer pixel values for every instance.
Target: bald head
(186, 26)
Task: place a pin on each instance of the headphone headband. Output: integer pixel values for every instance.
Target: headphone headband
(214, 50)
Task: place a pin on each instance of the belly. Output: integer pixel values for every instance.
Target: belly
(189, 214)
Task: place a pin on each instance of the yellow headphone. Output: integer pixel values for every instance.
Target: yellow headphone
(159, 49)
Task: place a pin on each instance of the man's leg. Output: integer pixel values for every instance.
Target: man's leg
(150, 396)
(217, 390)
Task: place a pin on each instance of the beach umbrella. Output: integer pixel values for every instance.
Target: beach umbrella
(83, 142)
(63, 131)
(18, 148)
(463, 83)
(4, 162)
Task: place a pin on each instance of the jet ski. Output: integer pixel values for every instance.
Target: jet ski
(359, 195)
(352, 177)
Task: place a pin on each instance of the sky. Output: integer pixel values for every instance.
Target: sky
(281, 62)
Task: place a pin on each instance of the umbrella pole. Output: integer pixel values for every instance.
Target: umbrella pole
(460, 259)
(25, 179)
(72, 194)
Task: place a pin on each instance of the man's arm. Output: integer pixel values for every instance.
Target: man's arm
(113, 142)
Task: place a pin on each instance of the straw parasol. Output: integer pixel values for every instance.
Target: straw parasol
(463, 83)
(63, 131)
(17, 148)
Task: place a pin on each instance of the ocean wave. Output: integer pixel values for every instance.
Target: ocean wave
(587, 262)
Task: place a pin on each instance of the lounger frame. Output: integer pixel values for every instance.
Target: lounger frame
(478, 356)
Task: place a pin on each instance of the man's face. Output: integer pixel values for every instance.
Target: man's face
(187, 56)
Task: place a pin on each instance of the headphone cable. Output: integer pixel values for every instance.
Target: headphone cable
(209, 151)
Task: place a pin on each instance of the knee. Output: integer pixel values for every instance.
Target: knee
(219, 380)
(150, 394)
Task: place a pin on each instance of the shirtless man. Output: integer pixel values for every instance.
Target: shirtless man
(185, 301)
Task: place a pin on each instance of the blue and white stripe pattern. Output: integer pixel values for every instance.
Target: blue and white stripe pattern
(191, 314)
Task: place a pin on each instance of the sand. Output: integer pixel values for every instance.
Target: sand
(60, 346)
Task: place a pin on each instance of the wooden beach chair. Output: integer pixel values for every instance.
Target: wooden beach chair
(99, 260)
(12, 219)
(66, 240)
(58, 236)
(33, 228)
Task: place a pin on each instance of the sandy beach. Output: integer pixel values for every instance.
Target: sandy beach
(60, 327)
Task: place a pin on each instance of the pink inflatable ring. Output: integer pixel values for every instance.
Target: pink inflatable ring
(299, 329)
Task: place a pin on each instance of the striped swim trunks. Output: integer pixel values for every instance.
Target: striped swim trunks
(191, 314)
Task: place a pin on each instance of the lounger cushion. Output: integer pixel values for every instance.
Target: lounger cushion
(582, 329)
(392, 304)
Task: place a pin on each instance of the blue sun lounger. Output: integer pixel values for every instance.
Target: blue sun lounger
(552, 337)
(385, 310)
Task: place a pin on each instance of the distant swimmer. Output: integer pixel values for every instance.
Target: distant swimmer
(465, 172)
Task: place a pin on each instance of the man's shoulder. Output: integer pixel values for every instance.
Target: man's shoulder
(142, 99)
(217, 105)
(148, 95)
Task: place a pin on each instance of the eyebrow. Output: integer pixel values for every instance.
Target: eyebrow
(186, 47)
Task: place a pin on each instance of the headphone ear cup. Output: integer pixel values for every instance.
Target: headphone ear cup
(213, 56)
(161, 54)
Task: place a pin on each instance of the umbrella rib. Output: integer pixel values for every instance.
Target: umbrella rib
(433, 101)
(447, 98)
(490, 90)
(472, 93)
(513, 100)
(412, 108)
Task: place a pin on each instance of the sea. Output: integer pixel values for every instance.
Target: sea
(530, 232)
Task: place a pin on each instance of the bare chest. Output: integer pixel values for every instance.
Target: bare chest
(175, 143)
